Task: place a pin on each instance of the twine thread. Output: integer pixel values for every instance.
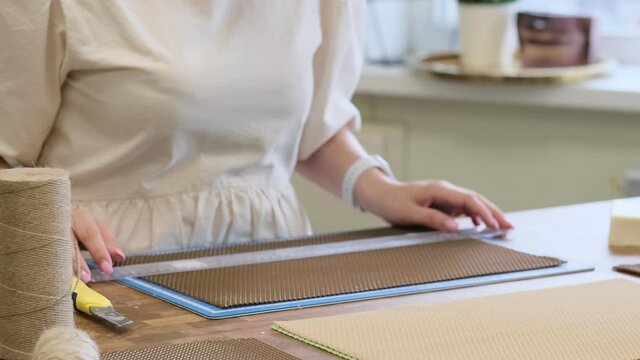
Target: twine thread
(36, 257)
(65, 344)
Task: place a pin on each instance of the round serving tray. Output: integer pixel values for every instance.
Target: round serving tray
(447, 65)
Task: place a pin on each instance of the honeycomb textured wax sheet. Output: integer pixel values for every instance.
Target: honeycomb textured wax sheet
(339, 274)
(596, 321)
(235, 349)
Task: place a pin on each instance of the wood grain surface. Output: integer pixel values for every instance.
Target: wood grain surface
(577, 233)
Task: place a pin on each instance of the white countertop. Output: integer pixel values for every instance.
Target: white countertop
(617, 91)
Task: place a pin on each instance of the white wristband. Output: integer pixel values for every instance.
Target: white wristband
(354, 172)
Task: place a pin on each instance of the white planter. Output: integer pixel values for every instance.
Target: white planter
(488, 38)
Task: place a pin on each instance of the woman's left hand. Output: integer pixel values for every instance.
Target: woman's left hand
(434, 204)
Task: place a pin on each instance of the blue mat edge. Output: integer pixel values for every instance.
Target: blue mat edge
(213, 312)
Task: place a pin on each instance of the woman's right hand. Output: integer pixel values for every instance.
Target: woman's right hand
(98, 239)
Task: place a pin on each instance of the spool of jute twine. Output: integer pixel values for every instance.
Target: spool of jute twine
(65, 344)
(36, 256)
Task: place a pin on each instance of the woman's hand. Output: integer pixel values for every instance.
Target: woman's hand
(429, 203)
(98, 239)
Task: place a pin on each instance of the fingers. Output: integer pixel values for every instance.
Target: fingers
(85, 273)
(79, 264)
(110, 242)
(434, 219)
(497, 213)
(434, 203)
(87, 232)
(478, 208)
(472, 204)
(468, 202)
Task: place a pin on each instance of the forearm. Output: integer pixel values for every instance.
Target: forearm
(428, 203)
(328, 165)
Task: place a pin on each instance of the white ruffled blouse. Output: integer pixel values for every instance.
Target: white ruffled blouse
(179, 121)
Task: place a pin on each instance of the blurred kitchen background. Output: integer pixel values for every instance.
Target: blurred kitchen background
(522, 145)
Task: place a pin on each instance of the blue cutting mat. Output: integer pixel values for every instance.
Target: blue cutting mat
(213, 312)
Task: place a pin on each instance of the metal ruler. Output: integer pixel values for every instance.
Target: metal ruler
(288, 253)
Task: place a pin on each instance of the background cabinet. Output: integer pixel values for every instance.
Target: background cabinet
(520, 157)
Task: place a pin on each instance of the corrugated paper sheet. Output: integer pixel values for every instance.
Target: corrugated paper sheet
(236, 349)
(597, 321)
(339, 274)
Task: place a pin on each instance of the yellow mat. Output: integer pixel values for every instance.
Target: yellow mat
(592, 321)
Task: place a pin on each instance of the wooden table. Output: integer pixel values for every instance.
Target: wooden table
(576, 232)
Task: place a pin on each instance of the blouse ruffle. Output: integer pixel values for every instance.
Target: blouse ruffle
(215, 216)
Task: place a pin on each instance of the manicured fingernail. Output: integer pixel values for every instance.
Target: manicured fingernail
(120, 255)
(106, 267)
(451, 225)
(84, 276)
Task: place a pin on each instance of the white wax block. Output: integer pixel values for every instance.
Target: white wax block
(625, 223)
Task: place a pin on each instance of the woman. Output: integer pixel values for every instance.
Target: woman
(181, 122)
